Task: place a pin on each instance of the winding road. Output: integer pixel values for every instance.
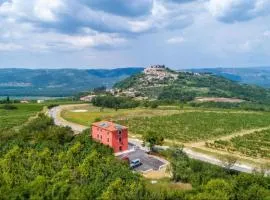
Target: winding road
(55, 113)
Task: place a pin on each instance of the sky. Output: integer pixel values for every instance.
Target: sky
(124, 33)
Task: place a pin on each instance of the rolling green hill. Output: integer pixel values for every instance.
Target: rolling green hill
(186, 86)
(58, 82)
(67, 82)
(256, 75)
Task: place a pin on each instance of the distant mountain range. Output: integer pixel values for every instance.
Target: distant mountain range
(67, 82)
(255, 76)
(58, 82)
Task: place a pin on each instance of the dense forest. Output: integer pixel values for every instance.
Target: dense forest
(114, 102)
(211, 182)
(44, 161)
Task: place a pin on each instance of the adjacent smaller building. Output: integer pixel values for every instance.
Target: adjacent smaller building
(111, 134)
(87, 98)
(40, 101)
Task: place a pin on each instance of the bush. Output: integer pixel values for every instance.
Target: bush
(9, 107)
(52, 106)
(115, 102)
(97, 119)
(154, 105)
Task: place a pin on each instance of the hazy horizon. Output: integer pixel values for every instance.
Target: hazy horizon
(121, 67)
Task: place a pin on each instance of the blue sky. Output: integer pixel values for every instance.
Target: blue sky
(120, 33)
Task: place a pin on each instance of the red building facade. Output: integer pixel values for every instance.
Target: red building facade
(111, 134)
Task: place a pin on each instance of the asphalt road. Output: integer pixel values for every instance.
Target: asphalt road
(212, 160)
(55, 114)
(148, 162)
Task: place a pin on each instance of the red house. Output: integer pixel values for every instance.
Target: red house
(111, 134)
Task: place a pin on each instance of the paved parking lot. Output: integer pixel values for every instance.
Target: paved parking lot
(148, 162)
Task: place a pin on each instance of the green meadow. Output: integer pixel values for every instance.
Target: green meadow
(16, 117)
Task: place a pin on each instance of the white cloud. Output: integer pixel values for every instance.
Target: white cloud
(56, 26)
(56, 23)
(72, 15)
(10, 47)
(32, 10)
(230, 11)
(266, 33)
(45, 9)
(176, 40)
(51, 41)
(121, 7)
(246, 46)
(81, 42)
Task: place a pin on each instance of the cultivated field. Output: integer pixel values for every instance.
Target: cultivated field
(197, 125)
(86, 115)
(11, 118)
(186, 125)
(215, 99)
(256, 144)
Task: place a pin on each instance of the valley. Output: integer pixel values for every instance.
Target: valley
(207, 130)
(58, 82)
(252, 75)
(134, 100)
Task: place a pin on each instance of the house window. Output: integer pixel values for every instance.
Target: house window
(119, 133)
(108, 139)
(120, 139)
(120, 148)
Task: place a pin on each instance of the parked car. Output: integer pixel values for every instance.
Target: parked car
(135, 163)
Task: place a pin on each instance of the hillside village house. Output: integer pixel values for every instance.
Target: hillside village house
(111, 134)
(87, 98)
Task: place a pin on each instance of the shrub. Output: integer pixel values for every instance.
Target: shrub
(154, 105)
(9, 107)
(115, 102)
(52, 106)
(98, 119)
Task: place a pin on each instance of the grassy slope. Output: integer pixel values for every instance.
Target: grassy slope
(86, 118)
(10, 118)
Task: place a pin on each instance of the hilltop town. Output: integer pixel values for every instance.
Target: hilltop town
(159, 72)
